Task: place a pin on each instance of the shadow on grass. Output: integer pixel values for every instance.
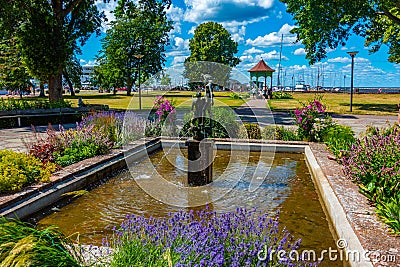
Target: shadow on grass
(374, 107)
(95, 96)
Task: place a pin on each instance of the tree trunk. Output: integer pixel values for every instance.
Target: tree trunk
(55, 87)
(129, 86)
(41, 94)
(70, 85)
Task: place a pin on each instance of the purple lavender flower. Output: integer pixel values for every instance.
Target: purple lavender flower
(205, 238)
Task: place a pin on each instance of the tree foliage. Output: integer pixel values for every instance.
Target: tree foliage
(13, 74)
(47, 34)
(212, 42)
(329, 24)
(212, 55)
(141, 29)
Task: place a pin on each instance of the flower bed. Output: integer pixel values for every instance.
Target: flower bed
(374, 164)
(205, 238)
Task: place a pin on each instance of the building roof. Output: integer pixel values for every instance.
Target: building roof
(260, 67)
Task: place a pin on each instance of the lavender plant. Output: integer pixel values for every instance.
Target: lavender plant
(74, 145)
(120, 127)
(374, 164)
(203, 238)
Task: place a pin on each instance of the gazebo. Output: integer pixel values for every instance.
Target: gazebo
(262, 70)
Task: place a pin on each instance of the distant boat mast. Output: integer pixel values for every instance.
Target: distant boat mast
(279, 66)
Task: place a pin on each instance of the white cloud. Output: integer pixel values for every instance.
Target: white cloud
(199, 11)
(298, 67)
(248, 61)
(179, 49)
(181, 44)
(246, 58)
(279, 15)
(82, 61)
(176, 15)
(252, 50)
(230, 25)
(178, 60)
(363, 70)
(347, 60)
(90, 63)
(274, 38)
(299, 52)
(108, 9)
(273, 55)
(238, 34)
(343, 48)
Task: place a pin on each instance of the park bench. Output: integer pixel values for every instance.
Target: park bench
(51, 114)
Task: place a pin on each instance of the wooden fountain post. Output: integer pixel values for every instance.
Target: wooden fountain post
(200, 155)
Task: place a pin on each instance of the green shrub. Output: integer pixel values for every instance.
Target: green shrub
(78, 153)
(269, 132)
(286, 134)
(18, 170)
(279, 133)
(78, 144)
(339, 139)
(389, 210)
(281, 95)
(384, 131)
(223, 121)
(22, 104)
(23, 245)
(250, 131)
(234, 95)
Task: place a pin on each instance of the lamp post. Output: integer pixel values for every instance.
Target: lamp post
(139, 57)
(352, 54)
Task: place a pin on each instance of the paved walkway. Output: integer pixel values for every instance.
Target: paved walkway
(15, 138)
(253, 110)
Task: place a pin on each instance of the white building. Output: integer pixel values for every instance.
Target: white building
(87, 72)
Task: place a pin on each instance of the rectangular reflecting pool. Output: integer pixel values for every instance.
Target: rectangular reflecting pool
(283, 183)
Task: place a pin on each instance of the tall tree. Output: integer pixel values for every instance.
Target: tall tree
(13, 74)
(211, 43)
(107, 77)
(138, 36)
(48, 32)
(329, 24)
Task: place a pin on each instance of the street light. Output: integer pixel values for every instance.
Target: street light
(352, 54)
(139, 57)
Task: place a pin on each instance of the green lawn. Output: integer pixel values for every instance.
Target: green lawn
(122, 101)
(369, 104)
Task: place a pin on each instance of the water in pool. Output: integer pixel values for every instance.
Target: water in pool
(287, 187)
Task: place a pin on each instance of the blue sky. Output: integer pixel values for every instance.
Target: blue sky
(257, 25)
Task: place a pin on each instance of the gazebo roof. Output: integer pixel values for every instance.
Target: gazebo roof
(261, 67)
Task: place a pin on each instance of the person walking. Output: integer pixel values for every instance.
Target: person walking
(254, 91)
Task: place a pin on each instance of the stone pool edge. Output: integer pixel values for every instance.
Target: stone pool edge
(335, 210)
(75, 177)
(343, 225)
